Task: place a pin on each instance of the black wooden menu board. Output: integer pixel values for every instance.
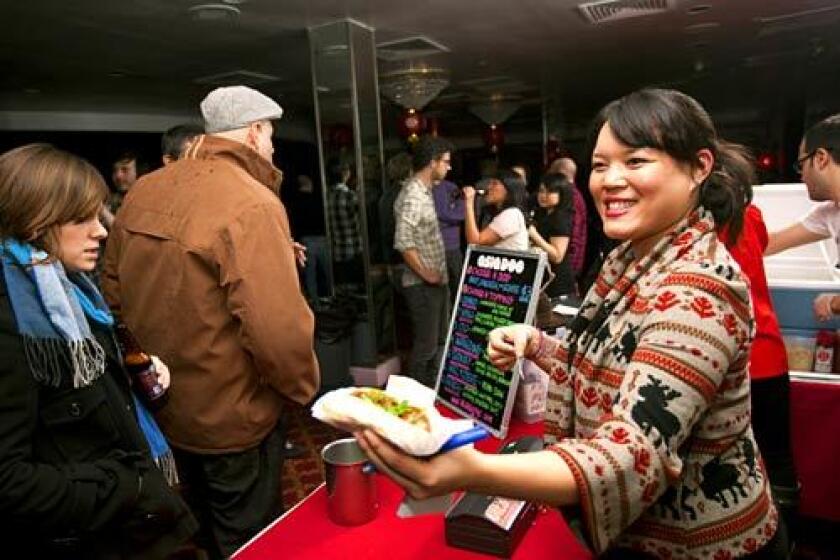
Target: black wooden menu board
(496, 290)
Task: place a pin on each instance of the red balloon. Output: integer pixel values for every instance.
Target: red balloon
(494, 137)
(411, 123)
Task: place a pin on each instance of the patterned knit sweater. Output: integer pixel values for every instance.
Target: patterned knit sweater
(653, 414)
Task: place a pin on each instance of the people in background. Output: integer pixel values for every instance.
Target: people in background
(398, 170)
(306, 213)
(345, 232)
(449, 205)
(201, 268)
(126, 169)
(769, 381)
(177, 139)
(417, 237)
(530, 193)
(551, 231)
(505, 200)
(522, 170)
(577, 243)
(648, 415)
(819, 165)
(78, 474)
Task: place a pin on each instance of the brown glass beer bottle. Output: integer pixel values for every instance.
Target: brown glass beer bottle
(141, 369)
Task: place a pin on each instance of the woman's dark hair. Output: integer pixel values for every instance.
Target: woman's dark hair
(677, 124)
(517, 195)
(557, 183)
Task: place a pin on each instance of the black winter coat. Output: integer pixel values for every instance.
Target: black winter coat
(76, 476)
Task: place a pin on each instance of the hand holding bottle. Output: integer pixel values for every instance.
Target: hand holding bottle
(162, 371)
(146, 380)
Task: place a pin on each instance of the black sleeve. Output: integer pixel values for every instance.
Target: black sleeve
(558, 224)
(56, 498)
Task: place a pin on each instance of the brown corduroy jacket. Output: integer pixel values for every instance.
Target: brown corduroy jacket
(200, 267)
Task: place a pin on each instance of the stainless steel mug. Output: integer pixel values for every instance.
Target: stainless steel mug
(351, 485)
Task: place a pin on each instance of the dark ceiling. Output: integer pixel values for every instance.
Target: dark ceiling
(148, 57)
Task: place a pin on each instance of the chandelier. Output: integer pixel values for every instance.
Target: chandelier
(413, 88)
(496, 109)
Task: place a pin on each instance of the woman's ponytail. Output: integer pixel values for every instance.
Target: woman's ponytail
(727, 191)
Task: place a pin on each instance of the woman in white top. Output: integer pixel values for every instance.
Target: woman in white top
(505, 199)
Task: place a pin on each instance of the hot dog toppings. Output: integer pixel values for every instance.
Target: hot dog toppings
(401, 409)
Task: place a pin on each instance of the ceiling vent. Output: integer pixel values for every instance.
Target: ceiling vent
(408, 49)
(214, 12)
(605, 11)
(237, 78)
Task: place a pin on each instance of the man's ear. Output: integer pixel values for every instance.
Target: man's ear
(822, 158)
(252, 135)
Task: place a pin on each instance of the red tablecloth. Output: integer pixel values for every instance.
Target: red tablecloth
(305, 532)
(815, 419)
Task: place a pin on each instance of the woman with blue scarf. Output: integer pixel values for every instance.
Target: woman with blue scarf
(83, 467)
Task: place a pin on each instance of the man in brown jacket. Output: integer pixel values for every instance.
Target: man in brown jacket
(200, 265)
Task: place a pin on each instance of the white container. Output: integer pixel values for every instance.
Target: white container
(809, 266)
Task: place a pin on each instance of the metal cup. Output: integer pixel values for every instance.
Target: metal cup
(351, 487)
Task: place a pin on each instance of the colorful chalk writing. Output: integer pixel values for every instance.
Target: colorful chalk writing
(495, 291)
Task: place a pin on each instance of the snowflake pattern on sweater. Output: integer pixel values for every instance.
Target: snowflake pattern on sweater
(653, 415)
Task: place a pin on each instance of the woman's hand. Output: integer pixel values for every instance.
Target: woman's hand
(421, 478)
(534, 235)
(162, 372)
(469, 193)
(507, 344)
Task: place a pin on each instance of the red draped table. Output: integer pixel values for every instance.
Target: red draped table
(815, 435)
(305, 531)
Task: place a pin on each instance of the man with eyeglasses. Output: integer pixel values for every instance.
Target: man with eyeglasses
(819, 168)
(417, 237)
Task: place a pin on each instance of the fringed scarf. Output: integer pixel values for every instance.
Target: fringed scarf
(52, 311)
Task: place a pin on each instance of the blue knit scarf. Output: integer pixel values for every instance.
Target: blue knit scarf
(52, 311)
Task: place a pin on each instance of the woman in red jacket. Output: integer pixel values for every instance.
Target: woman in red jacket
(769, 382)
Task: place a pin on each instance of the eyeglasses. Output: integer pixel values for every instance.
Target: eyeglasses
(797, 167)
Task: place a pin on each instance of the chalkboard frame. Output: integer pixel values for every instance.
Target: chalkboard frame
(536, 283)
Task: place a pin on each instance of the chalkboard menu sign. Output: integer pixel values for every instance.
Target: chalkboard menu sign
(496, 289)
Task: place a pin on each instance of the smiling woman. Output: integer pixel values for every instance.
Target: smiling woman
(656, 157)
(648, 418)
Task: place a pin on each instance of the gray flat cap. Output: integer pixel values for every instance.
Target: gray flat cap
(229, 108)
